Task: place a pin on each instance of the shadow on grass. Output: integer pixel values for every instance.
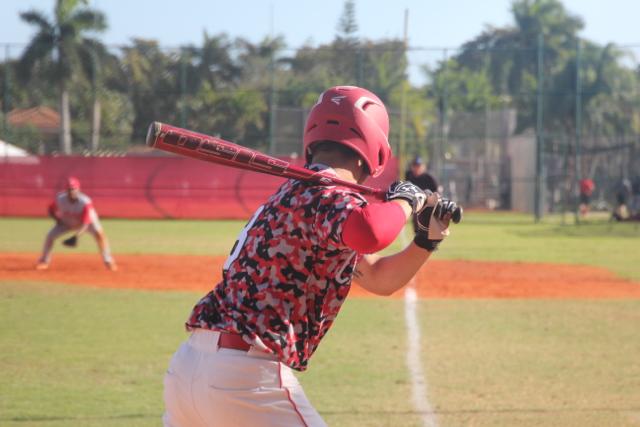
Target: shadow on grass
(487, 411)
(96, 418)
(583, 230)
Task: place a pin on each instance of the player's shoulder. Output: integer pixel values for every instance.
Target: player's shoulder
(84, 199)
(337, 191)
(340, 196)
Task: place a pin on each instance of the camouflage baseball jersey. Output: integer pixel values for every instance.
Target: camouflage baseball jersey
(288, 274)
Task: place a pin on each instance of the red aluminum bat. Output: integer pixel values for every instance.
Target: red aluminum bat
(216, 150)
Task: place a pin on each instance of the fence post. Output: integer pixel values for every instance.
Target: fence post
(403, 102)
(96, 109)
(183, 88)
(360, 65)
(272, 104)
(539, 183)
(578, 171)
(6, 107)
(6, 93)
(566, 188)
(439, 155)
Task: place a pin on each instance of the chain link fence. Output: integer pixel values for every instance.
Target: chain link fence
(502, 128)
(591, 130)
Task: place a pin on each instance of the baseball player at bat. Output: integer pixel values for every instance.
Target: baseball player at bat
(73, 211)
(290, 271)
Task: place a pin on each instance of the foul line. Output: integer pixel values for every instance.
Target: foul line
(418, 381)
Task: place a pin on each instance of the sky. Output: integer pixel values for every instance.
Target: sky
(431, 24)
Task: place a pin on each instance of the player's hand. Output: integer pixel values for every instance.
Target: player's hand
(71, 242)
(433, 222)
(411, 193)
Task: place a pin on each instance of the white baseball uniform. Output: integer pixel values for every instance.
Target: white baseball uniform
(72, 215)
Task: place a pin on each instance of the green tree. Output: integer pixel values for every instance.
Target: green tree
(111, 115)
(213, 62)
(346, 53)
(465, 88)
(347, 25)
(237, 115)
(152, 83)
(96, 61)
(509, 55)
(228, 87)
(59, 45)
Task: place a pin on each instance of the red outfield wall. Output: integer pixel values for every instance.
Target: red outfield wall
(141, 187)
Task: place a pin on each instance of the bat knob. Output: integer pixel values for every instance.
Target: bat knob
(456, 217)
(152, 133)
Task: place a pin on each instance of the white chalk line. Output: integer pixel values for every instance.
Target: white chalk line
(418, 381)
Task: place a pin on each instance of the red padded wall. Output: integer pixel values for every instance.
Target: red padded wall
(141, 187)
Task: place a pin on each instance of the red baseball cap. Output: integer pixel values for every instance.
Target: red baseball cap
(73, 183)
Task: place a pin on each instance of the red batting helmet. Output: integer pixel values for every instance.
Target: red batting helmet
(73, 183)
(354, 117)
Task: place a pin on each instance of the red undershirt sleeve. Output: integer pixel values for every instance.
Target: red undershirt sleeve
(373, 227)
(86, 214)
(53, 210)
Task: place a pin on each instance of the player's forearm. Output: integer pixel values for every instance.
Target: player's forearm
(82, 229)
(385, 275)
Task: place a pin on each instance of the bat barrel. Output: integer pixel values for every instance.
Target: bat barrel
(152, 134)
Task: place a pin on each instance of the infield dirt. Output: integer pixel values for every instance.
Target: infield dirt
(438, 279)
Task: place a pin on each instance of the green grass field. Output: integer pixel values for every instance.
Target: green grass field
(93, 357)
(495, 236)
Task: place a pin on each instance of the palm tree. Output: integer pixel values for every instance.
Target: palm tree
(95, 59)
(61, 44)
(510, 54)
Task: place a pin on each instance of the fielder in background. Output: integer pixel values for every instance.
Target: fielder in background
(418, 175)
(290, 271)
(73, 211)
(587, 186)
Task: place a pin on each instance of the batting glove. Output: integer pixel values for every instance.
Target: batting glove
(433, 222)
(405, 190)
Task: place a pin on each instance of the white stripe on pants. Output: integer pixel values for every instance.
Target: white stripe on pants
(207, 386)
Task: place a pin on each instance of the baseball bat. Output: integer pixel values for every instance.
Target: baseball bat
(216, 150)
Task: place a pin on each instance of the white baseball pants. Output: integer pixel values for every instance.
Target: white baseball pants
(208, 386)
(60, 229)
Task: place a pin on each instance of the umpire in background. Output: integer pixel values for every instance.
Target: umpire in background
(417, 174)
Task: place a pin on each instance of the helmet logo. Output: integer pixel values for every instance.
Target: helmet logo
(337, 99)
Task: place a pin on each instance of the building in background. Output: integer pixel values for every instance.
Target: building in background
(34, 128)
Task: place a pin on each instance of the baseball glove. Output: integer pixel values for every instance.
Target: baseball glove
(71, 242)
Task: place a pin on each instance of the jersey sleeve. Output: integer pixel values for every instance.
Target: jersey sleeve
(373, 227)
(333, 209)
(53, 209)
(86, 213)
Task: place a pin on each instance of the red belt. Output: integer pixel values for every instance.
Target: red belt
(233, 341)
